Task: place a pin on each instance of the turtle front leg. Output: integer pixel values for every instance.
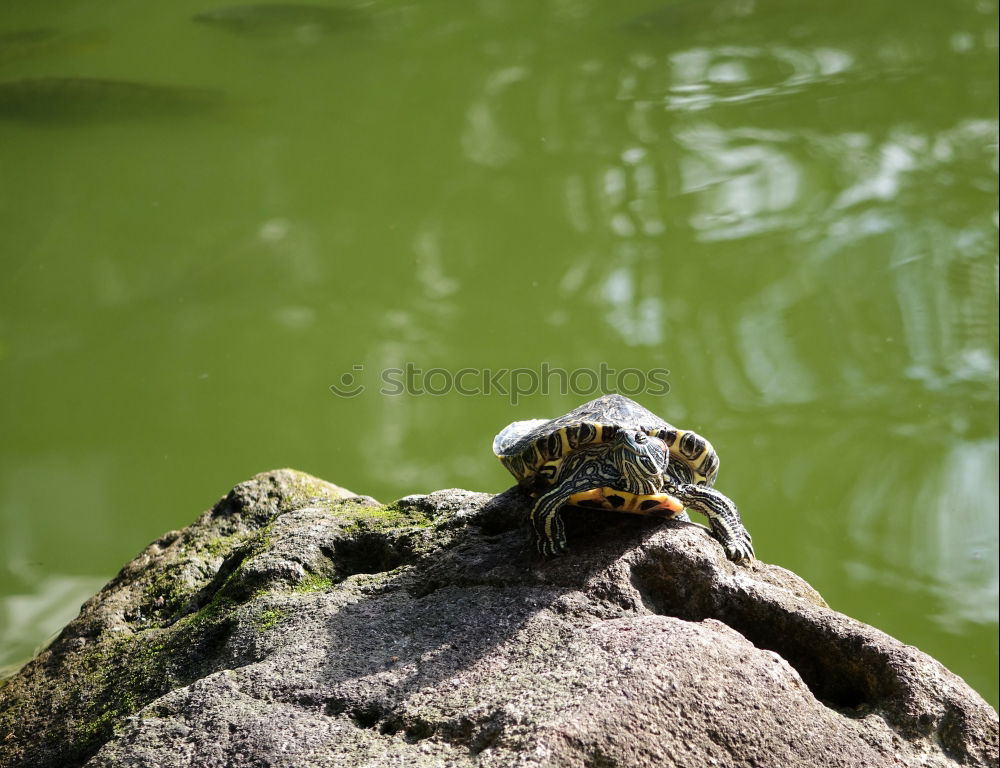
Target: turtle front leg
(550, 532)
(723, 517)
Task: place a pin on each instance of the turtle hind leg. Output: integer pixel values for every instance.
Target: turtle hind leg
(722, 516)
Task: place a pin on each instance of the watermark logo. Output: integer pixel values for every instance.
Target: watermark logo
(513, 383)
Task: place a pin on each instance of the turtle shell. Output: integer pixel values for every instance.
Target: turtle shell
(532, 450)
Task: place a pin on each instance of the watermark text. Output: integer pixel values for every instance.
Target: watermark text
(512, 383)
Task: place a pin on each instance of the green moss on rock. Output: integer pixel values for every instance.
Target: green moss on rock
(269, 618)
(382, 518)
(313, 582)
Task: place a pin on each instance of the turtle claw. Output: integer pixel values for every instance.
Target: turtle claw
(551, 548)
(739, 548)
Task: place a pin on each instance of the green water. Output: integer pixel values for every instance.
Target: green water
(789, 206)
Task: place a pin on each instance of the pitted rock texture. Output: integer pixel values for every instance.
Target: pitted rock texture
(298, 624)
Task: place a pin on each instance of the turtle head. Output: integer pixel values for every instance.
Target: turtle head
(641, 459)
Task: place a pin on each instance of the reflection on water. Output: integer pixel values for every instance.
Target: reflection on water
(636, 317)
(937, 536)
(483, 139)
(40, 614)
(745, 181)
(40, 591)
(792, 208)
(703, 78)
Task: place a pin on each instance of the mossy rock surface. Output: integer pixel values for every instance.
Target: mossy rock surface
(296, 623)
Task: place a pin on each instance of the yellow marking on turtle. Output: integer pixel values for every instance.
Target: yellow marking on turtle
(635, 504)
(548, 527)
(549, 470)
(694, 463)
(564, 442)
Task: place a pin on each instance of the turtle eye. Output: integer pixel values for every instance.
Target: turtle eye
(640, 437)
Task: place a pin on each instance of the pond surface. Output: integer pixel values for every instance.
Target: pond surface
(771, 221)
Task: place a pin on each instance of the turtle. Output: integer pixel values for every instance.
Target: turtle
(614, 454)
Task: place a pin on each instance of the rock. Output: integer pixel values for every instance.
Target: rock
(296, 623)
